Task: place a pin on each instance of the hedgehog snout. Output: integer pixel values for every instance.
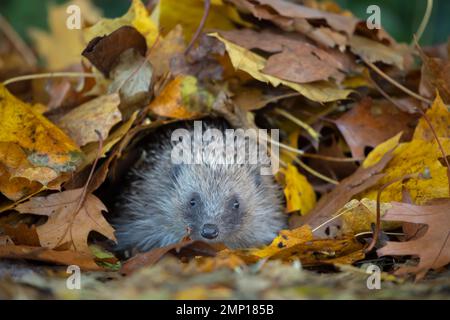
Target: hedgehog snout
(209, 231)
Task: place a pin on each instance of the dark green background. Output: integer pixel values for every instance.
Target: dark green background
(400, 18)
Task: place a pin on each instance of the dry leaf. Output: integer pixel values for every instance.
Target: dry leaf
(298, 191)
(66, 225)
(253, 64)
(63, 46)
(99, 114)
(182, 98)
(433, 247)
(33, 151)
(370, 122)
(83, 260)
(137, 17)
(103, 52)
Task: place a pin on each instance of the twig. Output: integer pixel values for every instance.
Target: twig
(312, 171)
(425, 20)
(207, 5)
(51, 75)
(395, 83)
(378, 222)
(315, 135)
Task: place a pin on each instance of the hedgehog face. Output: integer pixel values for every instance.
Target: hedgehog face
(213, 221)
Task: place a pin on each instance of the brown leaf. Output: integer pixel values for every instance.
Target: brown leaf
(99, 114)
(149, 258)
(371, 122)
(435, 76)
(103, 52)
(66, 225)
(294, 60)
(330, 203)
(433, 247)
(83, 260)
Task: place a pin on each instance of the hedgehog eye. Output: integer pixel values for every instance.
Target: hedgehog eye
(236, 204)
(193, 202)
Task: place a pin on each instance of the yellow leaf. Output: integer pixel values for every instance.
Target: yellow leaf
(359, 215)
(416, 156)
(32, 149)
(62, 47)
(420, 155)
(378, 153)
(439, 116)
(137, 17)
(245, 60)
(188, 13)
(298, 191)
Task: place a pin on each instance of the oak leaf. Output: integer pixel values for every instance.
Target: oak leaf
(433, 247)
(69, 222)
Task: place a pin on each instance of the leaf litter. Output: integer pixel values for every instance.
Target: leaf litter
(311, 70)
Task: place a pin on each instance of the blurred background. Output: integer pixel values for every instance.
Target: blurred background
(401, 18)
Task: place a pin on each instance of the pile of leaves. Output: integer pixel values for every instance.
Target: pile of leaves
(364, 127)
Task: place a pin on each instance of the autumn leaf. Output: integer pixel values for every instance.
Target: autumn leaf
(420, 155)
(330, 203)
(99, 114)
(81, 259)
(433, 248)
(299, 244)
(298, 191)
(103, 52)
(365, 125)
(68, 223)
(62, 47)
(137, 17)
(33, 151)
(189, 13)
(253, 64)
(182, 98)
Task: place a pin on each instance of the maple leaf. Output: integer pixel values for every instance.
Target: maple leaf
(433, 247)
(68, 221)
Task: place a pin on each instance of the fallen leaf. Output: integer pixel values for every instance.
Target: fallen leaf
(373, 51)
(137, 16)
(433, 247)
(168, 52)
(370, 122)
(182, 98)
(62, 47)
(66, 225)
(330, 203)
(189, 13)
(439, 116)
(295, 59)
(99, 114)
(83, 260)
(131, 77)
(103, 52)
(253, 64)
(33, 151)
(435, 76)
(298, 191)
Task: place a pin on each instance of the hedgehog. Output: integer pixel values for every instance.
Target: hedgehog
(211, 200)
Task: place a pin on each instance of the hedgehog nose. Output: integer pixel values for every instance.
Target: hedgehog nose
(210, 231)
